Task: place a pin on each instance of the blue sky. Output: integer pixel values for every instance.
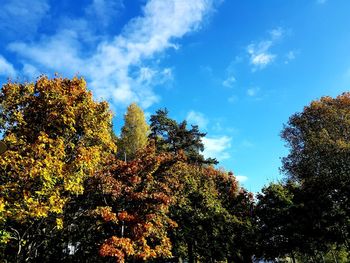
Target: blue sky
(238, 69)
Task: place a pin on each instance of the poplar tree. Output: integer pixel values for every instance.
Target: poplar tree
(134, 135)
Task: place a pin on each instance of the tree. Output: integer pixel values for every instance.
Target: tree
(277, 223)
(211, 215)
(134, 135)
(174, 137)
(319, 161)
(57, 136)
(135, 204)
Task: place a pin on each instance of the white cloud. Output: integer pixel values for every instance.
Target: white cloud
(6, 68)
(60, 53)
(22, 17)
(290, 56)
(260, 54)
(217, 147)
(30, 70)
(197, 118)
(117, 69)
(252, 92)
(104, 10)
(229, 81)
(262, 59)
(276, 33)
(321, 1)
(241, 178)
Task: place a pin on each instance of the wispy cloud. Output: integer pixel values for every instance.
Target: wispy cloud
(104, 11)
(241, 178)
(6, 68)
(118, 69)
(230, 78)
(260, 54)
(253, 92)
(321, 1)
(197, 118)
(21, 18)
(217, 147)
(229, 81)
(290, 56)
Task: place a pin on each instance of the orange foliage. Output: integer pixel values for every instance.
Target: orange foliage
(139, 194)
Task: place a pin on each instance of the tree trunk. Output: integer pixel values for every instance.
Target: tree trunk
(293, 258)
(190, 252)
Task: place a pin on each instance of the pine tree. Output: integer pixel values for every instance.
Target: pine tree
(134, 135)
(170, 136)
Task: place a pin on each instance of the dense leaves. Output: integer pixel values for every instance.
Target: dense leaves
(67, 195)
(138, 196)
(57, 136)
(320, 161)
(308, 216)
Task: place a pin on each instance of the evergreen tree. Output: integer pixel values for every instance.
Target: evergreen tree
(174, 137)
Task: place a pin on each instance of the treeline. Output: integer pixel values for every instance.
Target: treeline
(72, 191)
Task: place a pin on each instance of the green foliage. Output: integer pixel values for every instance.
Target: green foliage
(308, 217)
(210, 229)
(64, 194)
(319, 161)
(174, 137)
(277, 222)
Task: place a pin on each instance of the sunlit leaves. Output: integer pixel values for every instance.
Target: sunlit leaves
(57, 136)
(134, 133)
(138, 197)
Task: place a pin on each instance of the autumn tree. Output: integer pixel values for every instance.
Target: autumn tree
(319, 161)
(134, 135)
(174, 137)
(57, 136)
(138, 194)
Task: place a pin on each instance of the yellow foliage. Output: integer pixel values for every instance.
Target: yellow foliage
(59, 223)
(57, 136)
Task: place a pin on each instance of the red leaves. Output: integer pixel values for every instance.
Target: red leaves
(124, 216)
(117, 248)
(139, 191)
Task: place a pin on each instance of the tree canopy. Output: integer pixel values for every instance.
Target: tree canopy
(56, 136)
(67, 194)
(319, 161)
(174, 137)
